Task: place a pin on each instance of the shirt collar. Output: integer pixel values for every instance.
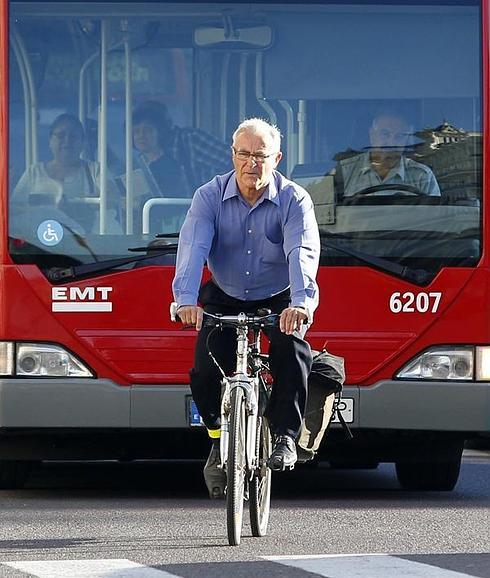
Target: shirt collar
(271, 193)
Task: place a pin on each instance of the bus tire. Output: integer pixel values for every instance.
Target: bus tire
(439, 474)
(14, 474)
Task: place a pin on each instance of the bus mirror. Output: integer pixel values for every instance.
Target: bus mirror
(254, 37)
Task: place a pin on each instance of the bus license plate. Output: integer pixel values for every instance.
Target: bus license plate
(346, 407)
(192, 413)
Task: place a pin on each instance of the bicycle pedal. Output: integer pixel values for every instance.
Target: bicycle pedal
(279, 466)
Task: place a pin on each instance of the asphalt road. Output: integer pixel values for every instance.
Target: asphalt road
(157, 518)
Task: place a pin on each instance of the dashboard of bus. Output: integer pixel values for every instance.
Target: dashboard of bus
(119, 111)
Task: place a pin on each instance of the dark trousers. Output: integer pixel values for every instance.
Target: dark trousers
(289, 358)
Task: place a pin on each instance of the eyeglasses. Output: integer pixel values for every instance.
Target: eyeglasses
(245, 155)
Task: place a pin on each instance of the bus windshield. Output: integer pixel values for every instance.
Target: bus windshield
(119, 111)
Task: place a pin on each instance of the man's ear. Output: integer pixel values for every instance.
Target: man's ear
(278, 158)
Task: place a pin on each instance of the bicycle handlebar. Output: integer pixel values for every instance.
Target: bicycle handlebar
(267, 320)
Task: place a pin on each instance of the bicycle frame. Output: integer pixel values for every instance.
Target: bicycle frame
(250, 386)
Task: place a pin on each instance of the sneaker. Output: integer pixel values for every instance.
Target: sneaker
(284, 455)
(214, 476)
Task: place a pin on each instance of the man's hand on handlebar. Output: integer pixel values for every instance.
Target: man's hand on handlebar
(190, 315)
(292, 319)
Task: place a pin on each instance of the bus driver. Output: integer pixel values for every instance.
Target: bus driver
(258, 233)
(385, 162)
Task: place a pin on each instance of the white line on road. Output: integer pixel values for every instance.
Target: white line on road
(87, 569)
(365, 566)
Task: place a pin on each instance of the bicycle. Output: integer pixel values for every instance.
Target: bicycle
(246, 441)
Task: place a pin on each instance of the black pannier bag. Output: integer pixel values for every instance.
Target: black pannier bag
(324, 389)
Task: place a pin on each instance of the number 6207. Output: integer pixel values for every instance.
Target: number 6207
(409, 302)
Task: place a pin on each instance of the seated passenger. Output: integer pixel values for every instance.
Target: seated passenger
(385, 162)
(201, 155)
(152, 136)
(67, 179)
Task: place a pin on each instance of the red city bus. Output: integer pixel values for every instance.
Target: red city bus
(112, 113)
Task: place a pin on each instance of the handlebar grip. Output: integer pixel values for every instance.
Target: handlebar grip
(173, 311)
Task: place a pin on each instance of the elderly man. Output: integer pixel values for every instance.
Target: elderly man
(258, 233)
(385, 162)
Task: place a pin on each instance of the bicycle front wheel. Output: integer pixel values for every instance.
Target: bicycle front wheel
(236, 466)
(260, 485)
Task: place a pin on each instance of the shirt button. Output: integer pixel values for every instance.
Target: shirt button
(249, 231)
(247, 272)
(246, 290)
(248, 252)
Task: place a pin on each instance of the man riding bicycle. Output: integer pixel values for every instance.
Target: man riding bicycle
(258, 233)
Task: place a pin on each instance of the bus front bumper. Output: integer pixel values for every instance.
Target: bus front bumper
(85, 403)
(89, 403)
(418, 405)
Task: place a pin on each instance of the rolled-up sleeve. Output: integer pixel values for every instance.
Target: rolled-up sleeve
(195, 240)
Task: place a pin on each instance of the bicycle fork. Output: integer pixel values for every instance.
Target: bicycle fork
(249, 386)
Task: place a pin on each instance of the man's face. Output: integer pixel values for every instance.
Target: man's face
(389, 133)
(254, 174)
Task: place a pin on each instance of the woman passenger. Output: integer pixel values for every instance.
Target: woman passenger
(67, 179)
(152, 132)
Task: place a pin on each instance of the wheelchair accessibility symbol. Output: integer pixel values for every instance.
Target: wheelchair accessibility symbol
(50, 233)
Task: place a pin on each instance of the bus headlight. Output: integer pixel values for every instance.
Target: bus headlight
(46, 360)
(441, 363)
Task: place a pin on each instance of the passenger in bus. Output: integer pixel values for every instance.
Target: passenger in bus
(385, 162)
(152, 138)
(258, 233)
(201, 155)
(156, 173)
(67, 181)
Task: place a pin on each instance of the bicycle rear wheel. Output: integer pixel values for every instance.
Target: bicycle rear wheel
(236, 466)
(260, 485)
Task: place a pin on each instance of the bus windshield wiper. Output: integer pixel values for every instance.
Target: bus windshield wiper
(415, 276)
(57, 274)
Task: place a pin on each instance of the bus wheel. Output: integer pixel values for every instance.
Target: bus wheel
(439, 474)
(14, 474)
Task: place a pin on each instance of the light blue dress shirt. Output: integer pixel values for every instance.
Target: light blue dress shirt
(253, 252)
(358, 174)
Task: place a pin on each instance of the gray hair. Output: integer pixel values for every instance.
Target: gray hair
(261, 127)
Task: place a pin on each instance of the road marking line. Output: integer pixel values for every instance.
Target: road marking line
(365, 566)
(87, 569)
